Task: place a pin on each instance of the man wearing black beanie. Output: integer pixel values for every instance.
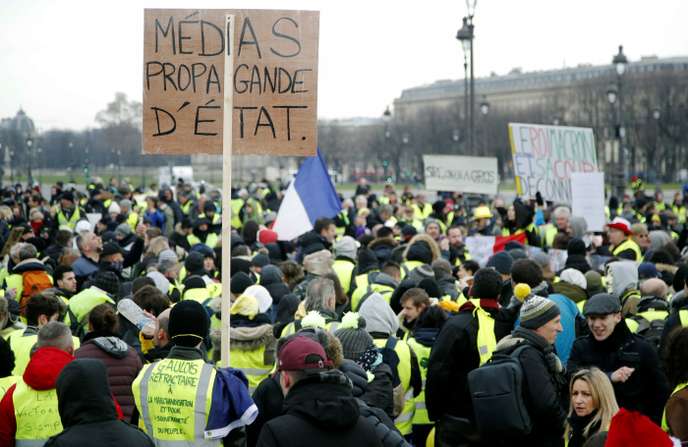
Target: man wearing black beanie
(465, 342)
(183, 384)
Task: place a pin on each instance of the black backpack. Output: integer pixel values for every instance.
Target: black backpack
(497, 394)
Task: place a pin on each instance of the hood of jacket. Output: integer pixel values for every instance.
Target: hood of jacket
(571, 291)
(325, 399)
(624, 275)
(45, 366)
(111, 345)
(28, 265)
(246, 338)
(379, 317)
(271, 274)
(357, 375)
(578, 262)
(83, 393)
(426, 336)
(385, 280)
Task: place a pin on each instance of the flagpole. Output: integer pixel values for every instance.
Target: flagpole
(227, 188)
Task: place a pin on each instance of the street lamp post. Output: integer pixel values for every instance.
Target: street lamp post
(386, 118)
(620, 63)
(656, 115)
(465, 36)
(29, 153)
(484, 110)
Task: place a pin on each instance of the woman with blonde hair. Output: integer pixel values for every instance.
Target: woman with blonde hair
(592, 406)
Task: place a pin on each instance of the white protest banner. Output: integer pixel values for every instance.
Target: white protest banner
(466, 174)
(587, 198)
(480, 248)
(546, 156)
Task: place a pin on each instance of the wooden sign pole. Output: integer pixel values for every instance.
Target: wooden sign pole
(227, 187)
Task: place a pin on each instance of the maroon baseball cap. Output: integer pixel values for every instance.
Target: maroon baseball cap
(302, 354)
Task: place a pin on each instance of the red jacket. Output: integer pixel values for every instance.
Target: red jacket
(41, 374)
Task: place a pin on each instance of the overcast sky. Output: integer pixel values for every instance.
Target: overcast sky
(62, 61)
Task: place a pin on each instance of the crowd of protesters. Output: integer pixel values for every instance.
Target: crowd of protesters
(376, 327)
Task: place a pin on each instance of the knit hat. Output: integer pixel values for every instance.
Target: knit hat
(266, 236)
(318, 263)
(517, 253)
(194, 263)
(347, 247)
(125, 202)
(123, 230)
(633, 428)
(576, 246)
(420, 273)
(367, 260)
(575, 277)
(594, 282)
(502, 262)
(114, 208)
(189, 323)
(167, 255)
(355, 342)
(419, 251)
(261, 295)
(194, 282)
(541, 258)
(111, 248)
(260, 260)
(240, 281)
(537, 311)
(107, 281)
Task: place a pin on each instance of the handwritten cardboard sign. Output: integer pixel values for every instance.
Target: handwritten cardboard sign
(465, 174)
(275, 81)
(546, 156)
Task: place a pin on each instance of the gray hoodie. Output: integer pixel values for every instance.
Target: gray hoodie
(378, 315)
(622, 276)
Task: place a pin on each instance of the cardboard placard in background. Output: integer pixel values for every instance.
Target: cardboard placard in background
(546, 156)
(457, 173)
(587, 198)
(275, 81)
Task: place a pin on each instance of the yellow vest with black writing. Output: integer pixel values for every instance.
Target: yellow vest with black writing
(7, 382)
(71, 222)
(251, 363)
(36, 414)
(344, 270)
(403, 422)
(173, 397)
(628, 244)
(423, 354)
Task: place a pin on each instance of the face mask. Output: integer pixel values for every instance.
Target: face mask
(116, 267)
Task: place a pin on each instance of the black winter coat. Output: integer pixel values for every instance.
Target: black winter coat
(647, 389)
(320, 411)
(453, 356)
(543, 388)
(87, 411)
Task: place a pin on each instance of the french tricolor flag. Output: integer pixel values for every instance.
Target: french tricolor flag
(310, 196)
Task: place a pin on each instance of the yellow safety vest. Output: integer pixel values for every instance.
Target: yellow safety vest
(487, 342)
(403, 422)
(408, 266)
(237, 204)
(71, 222)
(132, 220)
(421, 213)
(200, 295)
(83, 302)
(15, 281)
(360, 293)
(344, 270)
(210, 240)
(252, 363)
(665, 423)
(628, 244)
(291, 328)
(21, 346)
(36, 414)
(7, 382)
(186, 208)
(173, 397)
(550, 233)
(683, 317)
(423, 354)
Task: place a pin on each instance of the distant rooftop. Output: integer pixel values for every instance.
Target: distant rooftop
(517, 80)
